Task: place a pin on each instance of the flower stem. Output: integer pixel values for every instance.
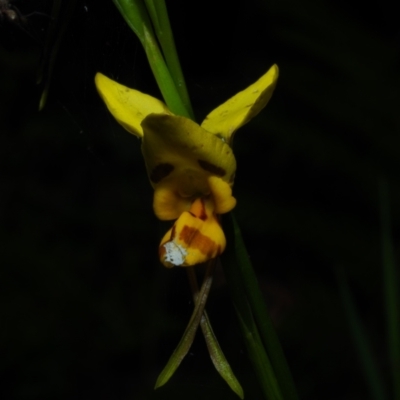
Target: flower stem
(163, 76)
(159, 16)
(136, 16)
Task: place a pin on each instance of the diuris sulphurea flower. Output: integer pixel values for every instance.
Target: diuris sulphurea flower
(191, 167)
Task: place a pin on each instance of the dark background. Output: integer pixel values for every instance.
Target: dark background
(86, 310)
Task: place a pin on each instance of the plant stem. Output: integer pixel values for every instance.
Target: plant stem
(163, 76)
(159, 16)
(136, 16)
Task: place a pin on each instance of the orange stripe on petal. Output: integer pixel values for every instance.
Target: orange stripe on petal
(195, 238)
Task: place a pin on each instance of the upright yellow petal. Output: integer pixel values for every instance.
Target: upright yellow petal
(241, 108)
(128, 106)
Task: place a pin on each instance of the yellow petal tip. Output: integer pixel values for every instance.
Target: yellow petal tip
(128, 106)
(226, 119)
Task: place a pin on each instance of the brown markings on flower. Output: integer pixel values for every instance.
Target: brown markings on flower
(162, 251)
(214, 169)
(160, 172)
(197, 241)
(203, 214)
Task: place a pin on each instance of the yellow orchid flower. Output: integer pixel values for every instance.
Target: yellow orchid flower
(191, 167)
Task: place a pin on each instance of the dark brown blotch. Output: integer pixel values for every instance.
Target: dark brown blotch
(160, 172)
(214, 169)
(195, 240)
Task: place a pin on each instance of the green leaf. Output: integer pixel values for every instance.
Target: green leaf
(159, 16)
(255, 347)
(247, 279)
(361, 340)
(135, 14)
(391, 289)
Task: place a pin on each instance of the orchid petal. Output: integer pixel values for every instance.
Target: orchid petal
(196, 237)
(222, 195)
(241, 108)
(128, 106)
(178, 150)
(167, 203)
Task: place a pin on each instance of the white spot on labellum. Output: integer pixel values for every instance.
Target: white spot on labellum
(174, 253)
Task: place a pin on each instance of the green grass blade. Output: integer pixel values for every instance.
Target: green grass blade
(163, 76)
(361, 341)
(391, 289)
(159, 16)
(258, 356)
(255, 348)
(136, 16)
(261, 316)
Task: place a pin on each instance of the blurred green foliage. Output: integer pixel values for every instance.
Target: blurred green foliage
(86, 310)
